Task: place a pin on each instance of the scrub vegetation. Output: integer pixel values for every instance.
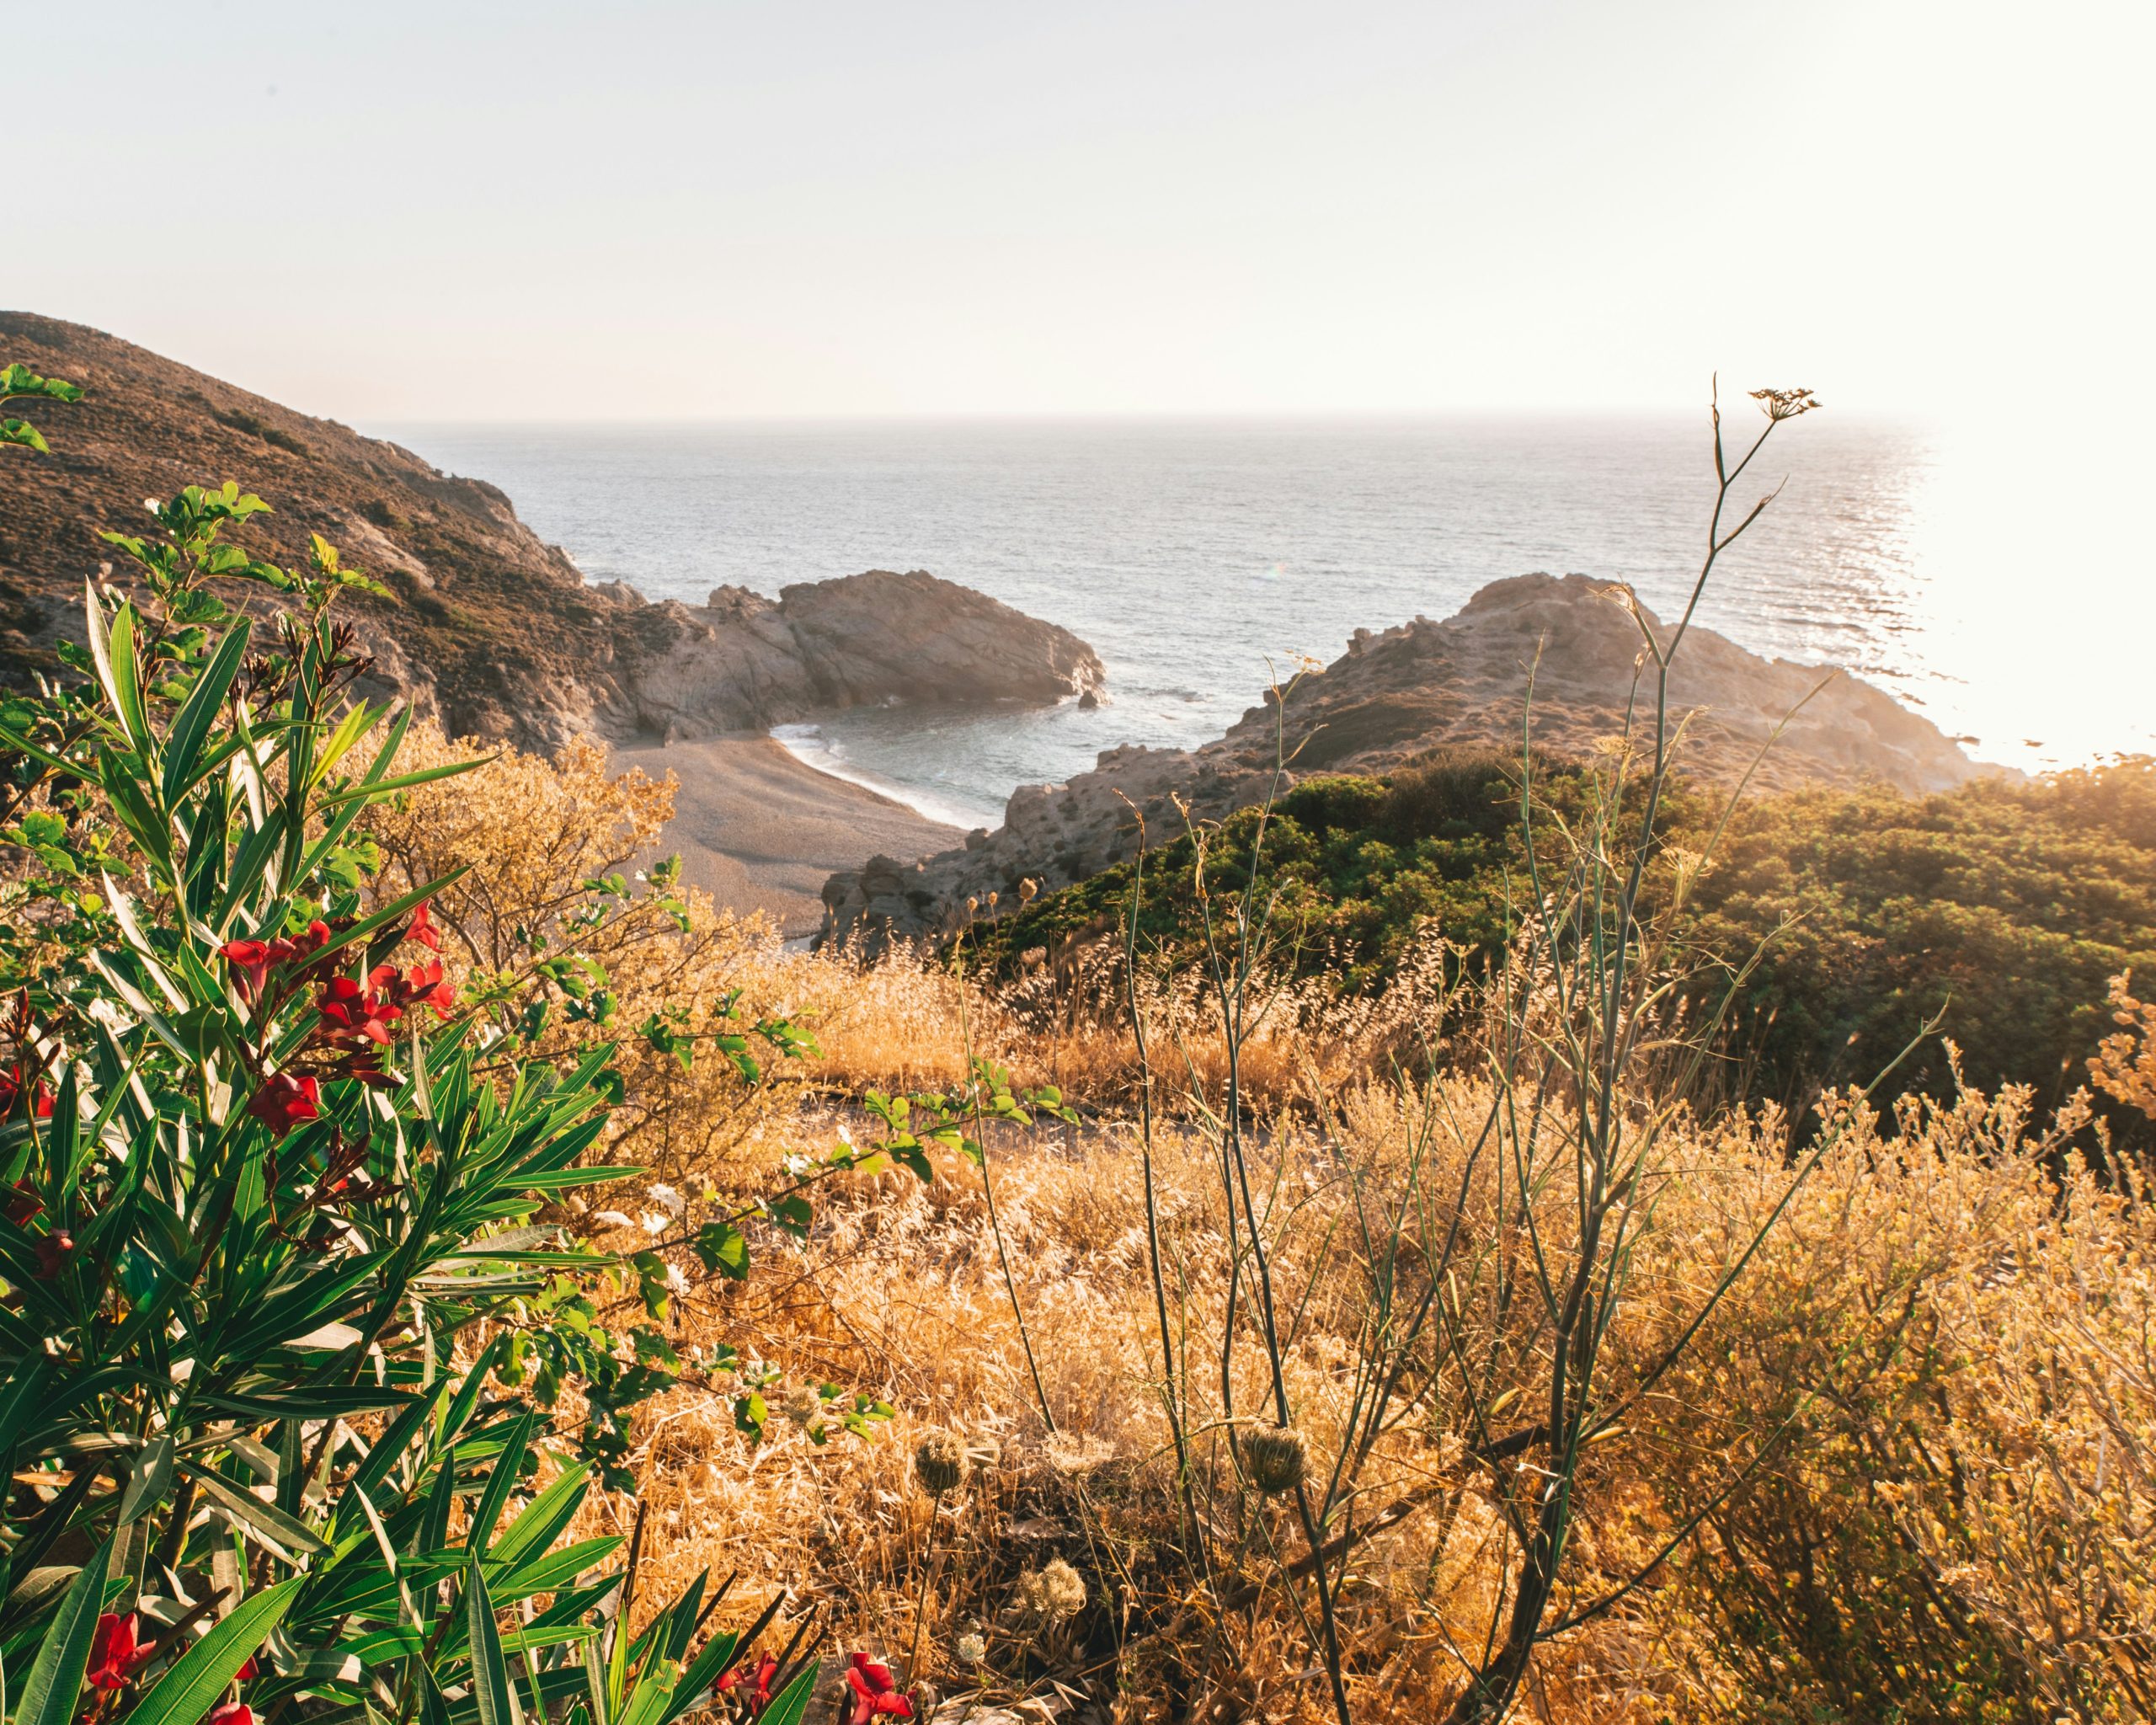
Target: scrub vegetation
(1527, 1238)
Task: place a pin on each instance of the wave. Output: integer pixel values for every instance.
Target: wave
(807, 745)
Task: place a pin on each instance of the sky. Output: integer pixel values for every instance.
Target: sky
(408, 212)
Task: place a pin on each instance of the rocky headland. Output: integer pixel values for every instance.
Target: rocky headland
(488, 630)
(1405, 693)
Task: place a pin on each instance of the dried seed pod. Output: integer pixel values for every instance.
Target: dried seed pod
(939, 1461)
(1277, 1457)
(1054, 1592)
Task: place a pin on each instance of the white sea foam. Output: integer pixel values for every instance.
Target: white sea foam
(806, 744)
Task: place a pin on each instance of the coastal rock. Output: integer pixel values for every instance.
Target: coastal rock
(487, 629)
(746, 662)
(1403, 693)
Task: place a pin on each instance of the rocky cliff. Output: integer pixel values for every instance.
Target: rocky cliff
(1424, 686)
(488, 629)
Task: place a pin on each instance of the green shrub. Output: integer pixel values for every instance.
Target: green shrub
(2009, 904)
(284, 1314)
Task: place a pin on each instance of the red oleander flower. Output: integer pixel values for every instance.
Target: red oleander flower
(245, 1671)
(285, 1102)
(114, 1652)
(422, 929)
(13, 1080)
(53, 1250)
(756, 1695)
(352, 1012)
(20, 1201)
(419, 986)
(253, 960)
(875, 1696)
(232, 1713)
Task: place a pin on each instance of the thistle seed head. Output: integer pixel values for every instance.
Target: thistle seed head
(1276, 1456)
(939, 1461)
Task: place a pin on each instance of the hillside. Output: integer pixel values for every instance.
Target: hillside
(488, 629)
(1421, 690)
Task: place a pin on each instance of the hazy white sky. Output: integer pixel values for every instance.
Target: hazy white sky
(396, 211)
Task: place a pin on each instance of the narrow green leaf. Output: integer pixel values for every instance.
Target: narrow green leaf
(545, 1516)
(268, 1525)
(402, 782)
(704, 1670)
(489, 1670)
(791, 1704)
(190, 1687)
(433, 1710)
(150, 1483)
(500, 1483)
(184, 746)
(655, 1690)
(64, 1655)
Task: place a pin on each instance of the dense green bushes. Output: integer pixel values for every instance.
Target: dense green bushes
(2008, 904)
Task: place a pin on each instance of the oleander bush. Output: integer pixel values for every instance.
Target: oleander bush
(301, 1382)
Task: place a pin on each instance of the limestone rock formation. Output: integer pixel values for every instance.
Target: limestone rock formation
(1409, 691)
(487, 628)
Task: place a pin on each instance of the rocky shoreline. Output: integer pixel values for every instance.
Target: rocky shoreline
(497, 636)
(1422, 687)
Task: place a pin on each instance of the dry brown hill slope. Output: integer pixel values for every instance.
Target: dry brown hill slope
(493, 632)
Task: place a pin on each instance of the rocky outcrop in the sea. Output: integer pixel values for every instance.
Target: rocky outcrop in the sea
(1404, 693)
(743, 661)
(488, 629)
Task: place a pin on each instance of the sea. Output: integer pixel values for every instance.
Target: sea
(1202, 559)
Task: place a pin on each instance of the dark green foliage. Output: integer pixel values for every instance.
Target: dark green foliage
(2011, 905)
(1356, 869)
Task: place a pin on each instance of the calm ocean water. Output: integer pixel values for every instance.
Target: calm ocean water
(1192, 554)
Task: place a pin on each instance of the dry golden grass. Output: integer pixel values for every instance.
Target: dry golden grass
(1917, 1439)
(1943, 1353)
